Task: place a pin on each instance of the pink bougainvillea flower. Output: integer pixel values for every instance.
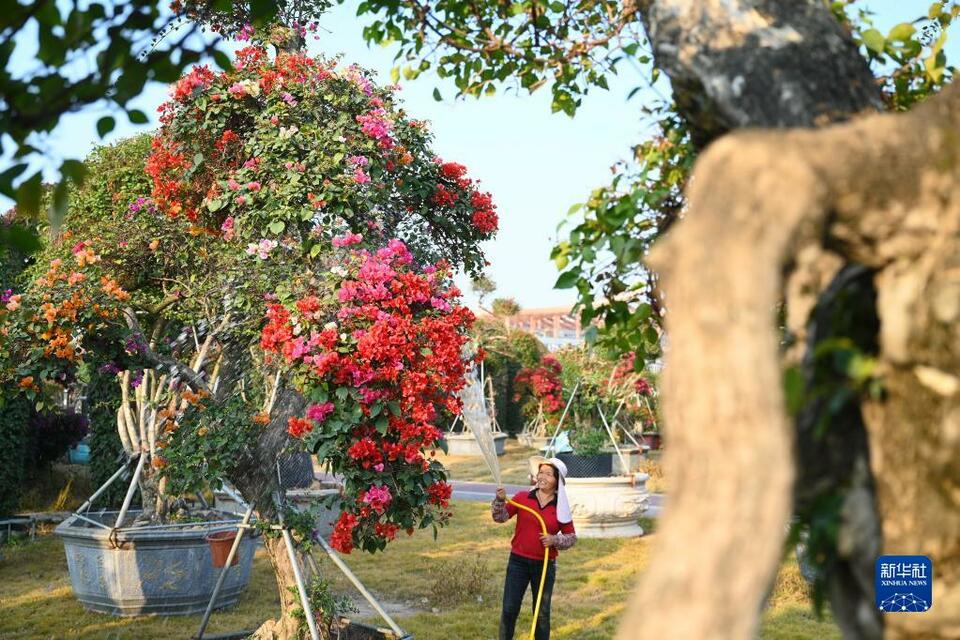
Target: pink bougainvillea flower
(347, 239)
(261, 249)
(319, 412)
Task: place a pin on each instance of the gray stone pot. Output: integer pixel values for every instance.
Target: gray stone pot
(134, 571)
(465, 444)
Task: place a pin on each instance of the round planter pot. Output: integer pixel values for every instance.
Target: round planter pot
(652, 439)
(608, 507)
(465, 444)
(165, 570)
(579, 466)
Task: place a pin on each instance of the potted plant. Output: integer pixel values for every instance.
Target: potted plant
(588, 458)
(241, 294)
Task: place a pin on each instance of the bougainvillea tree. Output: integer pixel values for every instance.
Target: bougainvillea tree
(540, 392)
(275, 277)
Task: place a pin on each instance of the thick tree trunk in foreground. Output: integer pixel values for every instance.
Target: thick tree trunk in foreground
(759, 63)
(890, 186)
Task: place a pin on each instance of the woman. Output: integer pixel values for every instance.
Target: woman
(549, 499)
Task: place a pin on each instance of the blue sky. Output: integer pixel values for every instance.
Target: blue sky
(536, 164)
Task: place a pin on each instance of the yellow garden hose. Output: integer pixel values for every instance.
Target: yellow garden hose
(546, 558)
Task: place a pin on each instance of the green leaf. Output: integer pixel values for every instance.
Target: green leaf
(394, 75)
(277, 227)
(873, 40)
(105, 125)
(567, 280)
(137, 117)
(75, 170)
(903, 32)
(28, 194)
(222, 60)
(436, 95)
(58, 207)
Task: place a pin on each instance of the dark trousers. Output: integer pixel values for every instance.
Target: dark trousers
(522, 572)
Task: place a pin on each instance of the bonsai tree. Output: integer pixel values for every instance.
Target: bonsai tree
(281, 283)
(541, 392)
(506, 352)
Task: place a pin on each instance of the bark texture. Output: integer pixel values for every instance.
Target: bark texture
(750, 63)
(256, 479)
(884, 191)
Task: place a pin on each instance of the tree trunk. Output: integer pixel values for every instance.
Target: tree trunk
(255, 477)
(749, 63)
(286, 626)
(755, 198)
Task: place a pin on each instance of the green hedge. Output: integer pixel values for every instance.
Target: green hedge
(103, 398)
(15, 415)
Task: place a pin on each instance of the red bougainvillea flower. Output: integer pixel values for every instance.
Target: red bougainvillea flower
(380, 354)
(543, 382)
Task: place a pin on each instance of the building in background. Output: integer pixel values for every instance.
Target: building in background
(555, 327)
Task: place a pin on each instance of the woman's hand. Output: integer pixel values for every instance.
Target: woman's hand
(547, 540)
(501, 494)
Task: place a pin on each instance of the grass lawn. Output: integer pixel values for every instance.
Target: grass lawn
(513, 465)
(460, 575)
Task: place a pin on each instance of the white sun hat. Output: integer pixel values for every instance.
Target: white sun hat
(563, 504)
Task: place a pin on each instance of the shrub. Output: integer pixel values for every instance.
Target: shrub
(15, 414)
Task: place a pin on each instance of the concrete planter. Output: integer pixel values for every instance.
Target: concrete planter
(608, 507)
(465, 444)
(631, 455)
(134, 571)
(537, 442)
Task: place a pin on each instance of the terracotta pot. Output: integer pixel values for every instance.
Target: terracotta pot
(220, 545)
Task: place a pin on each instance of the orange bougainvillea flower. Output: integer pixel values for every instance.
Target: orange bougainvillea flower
(26, 382)
(154, 244)
(261, 418)
(110, 287)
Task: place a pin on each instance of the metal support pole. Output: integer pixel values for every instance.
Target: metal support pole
(133, 486)
(96, 494)
(223, 572)
(454, 423)
(359, 585)
(553, 440)
(297, 575)
(230, 491)
(632, 439)
(623, 461)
